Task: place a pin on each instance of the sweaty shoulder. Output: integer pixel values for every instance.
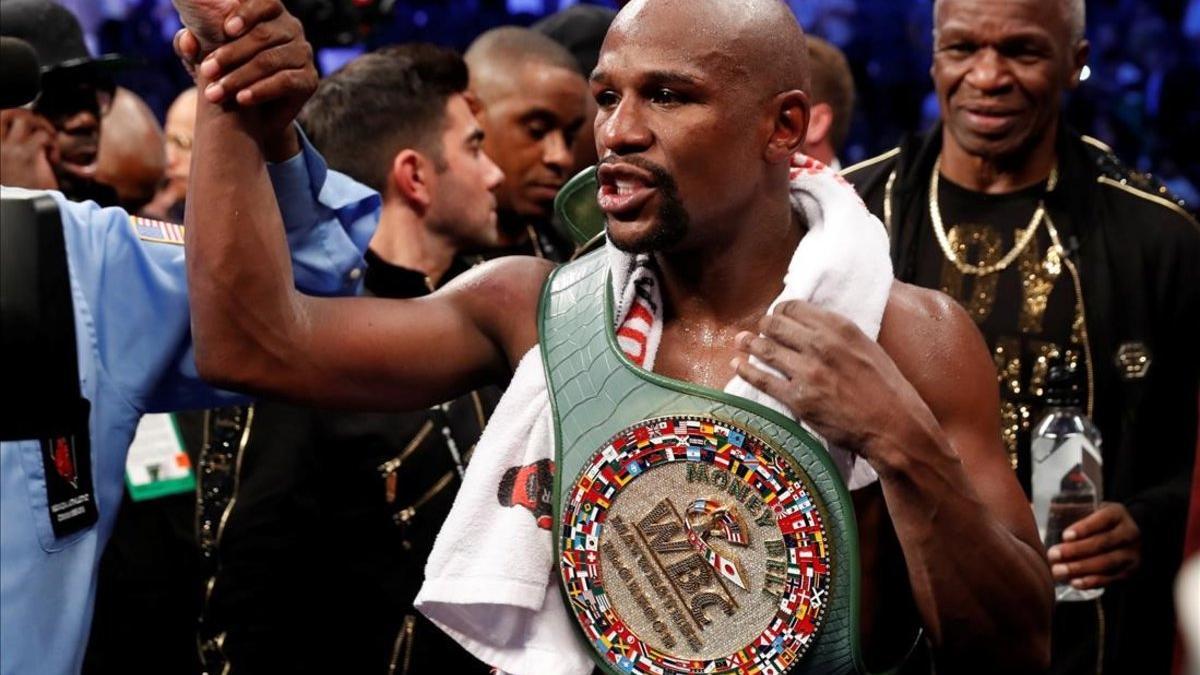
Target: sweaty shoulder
(501, 297)
(938, 348)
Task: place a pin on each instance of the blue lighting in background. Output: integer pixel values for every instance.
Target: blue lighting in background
(330, 59)
(526, 6)
(1138, 94)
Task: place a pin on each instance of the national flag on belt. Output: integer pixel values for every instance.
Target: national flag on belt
(607, 475)
(797, 522)
(649, 666)
(586, 617)
(721, 459)
(157, 230)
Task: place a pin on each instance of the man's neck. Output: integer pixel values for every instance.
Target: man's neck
(728, 281)
(403, 239)
(998, 175)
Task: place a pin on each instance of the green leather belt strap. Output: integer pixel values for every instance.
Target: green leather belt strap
(596, 392)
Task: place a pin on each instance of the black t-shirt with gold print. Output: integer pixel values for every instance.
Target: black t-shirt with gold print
(1027, 311)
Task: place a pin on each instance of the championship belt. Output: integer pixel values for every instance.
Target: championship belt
(695, 531)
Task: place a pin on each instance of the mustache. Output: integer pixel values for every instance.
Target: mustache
(662, 177)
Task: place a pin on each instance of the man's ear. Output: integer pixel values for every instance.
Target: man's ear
(790, 126)
(1079, 58)
(820, 121)
(411, 176)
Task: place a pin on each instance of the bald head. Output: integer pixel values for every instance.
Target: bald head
(702, 105)
(495, 55)
(179, 127)
(131, 158)
(758, 42)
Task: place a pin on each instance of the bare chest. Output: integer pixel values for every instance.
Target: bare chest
(697, 353)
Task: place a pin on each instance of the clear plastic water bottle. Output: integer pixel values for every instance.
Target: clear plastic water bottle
(1066, 467)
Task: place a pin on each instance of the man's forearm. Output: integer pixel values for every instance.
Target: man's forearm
(238, 267)
(971, 577)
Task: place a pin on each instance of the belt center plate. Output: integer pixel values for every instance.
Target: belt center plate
(690, 544)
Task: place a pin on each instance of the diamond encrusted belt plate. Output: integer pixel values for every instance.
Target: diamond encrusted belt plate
(690, 545)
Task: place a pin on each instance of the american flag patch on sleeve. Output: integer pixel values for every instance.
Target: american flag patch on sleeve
(157, 230)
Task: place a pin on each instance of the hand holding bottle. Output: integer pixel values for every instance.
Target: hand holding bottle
(1099, 549)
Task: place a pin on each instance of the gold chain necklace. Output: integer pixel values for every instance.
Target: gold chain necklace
(939, 228)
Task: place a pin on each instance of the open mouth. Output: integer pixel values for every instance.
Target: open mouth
(624, 189)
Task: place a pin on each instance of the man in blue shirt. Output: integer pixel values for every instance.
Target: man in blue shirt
(131, 319)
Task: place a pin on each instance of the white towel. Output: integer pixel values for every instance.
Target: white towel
(490, 581)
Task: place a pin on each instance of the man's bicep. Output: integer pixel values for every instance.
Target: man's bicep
(969, 414)
(941, 352)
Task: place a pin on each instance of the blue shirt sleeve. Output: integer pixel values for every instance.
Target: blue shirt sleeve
(327, 260)
(136, 316)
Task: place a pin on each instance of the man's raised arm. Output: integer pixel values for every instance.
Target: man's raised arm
(254, 332)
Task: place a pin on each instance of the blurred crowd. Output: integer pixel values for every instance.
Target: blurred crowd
(1136, 98)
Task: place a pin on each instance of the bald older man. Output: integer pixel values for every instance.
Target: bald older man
(1059, 251)
(750, 558)
(178, 127)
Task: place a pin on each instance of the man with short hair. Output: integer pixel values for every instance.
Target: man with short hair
(312, 484)
(581, 29)
(701, 112)
(1059, 252)
(532, 105)
(832, 102)
(401, 121)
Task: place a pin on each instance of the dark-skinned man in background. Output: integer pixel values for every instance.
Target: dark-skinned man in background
(77, 92)
(1106, 279)
(581, 29)
(533, 102)
(946, 519)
